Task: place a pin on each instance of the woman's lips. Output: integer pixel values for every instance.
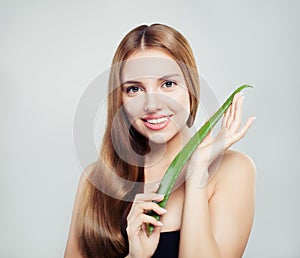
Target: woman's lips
(156, 122)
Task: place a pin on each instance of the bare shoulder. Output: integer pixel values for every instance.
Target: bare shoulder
(237, 156)
(236, 170)
(237, 162)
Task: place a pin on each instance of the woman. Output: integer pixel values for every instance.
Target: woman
(152, 103)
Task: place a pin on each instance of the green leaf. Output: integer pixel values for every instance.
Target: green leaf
(183, 156)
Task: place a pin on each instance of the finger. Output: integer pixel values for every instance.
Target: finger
(145, 219)
(231, 114)
(151, 220)
(232, 109)
(156, 232)
(228, 116)
(142, 207)
(148, 197)
(144, 227)
(147, 206)
(247, 126)
(236, 123)
(136, 223)
(135, 226)
(141, 198)
(243, 130)
(154, 235)
(225, 118)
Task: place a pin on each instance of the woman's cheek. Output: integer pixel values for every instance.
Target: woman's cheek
(133, 108)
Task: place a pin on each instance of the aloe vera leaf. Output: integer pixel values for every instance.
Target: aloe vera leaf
(183, 156)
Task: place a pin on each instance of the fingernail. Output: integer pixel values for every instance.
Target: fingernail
(254, 118)
(163, 210)
(159, 223)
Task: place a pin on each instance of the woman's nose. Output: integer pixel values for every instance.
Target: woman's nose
(153, 102)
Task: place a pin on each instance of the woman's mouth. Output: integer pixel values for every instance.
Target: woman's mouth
(156, 122)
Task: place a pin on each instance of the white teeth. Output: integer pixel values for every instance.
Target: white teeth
(157, 121)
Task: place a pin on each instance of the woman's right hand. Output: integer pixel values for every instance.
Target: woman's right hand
(141, 245)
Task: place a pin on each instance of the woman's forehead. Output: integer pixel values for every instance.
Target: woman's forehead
(149, 64)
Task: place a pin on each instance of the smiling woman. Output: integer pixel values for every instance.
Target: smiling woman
(153, 99)
(156, 101)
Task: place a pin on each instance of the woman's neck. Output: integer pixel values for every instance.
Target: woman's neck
(161, 155)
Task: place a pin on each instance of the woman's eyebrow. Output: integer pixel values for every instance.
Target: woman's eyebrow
(165, 77)
(131, 82)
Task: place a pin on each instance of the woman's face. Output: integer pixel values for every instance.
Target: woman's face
(155, 96)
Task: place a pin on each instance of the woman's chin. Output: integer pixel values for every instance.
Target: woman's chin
(158, 138)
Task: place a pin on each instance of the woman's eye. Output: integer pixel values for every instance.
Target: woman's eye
(133, 89)
(168, 84)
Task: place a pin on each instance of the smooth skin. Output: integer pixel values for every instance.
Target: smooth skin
(223, 215)
(215, 219)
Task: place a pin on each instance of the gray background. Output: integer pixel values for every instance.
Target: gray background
(51, 50)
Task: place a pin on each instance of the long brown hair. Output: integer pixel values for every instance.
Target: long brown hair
(102, 217)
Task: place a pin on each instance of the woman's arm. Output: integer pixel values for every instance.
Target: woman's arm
(220, 226)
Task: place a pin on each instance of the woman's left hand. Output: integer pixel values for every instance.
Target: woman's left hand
(212, 147)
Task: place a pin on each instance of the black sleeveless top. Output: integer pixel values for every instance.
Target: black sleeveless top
(168, 246)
